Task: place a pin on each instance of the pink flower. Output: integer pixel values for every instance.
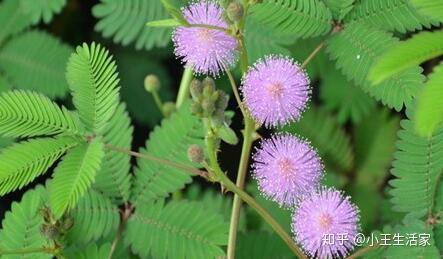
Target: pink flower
(325, 224)
(286, 168)
(276, 90)
(207, 51)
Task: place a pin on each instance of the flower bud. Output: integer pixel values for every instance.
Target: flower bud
(235, 11)
(196, 108)
(222, 101)
(169, 108)
(196, 154)
(208, 107)
(152, 83)
(196, 89)
(208, 86)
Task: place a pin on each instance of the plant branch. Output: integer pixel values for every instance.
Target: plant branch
(158, 102)
(212, 155)
(125, 215)
(235, 91)
(170, 163)
(313, 54)
(183, 91)
(207, 26)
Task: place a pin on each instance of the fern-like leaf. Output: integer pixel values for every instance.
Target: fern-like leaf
(261, 41)
(429, 107)
(261, 245)
(431, 8)
(114, 180)
(12, 18)
(406, 54)
(299, 18)
(357, 48)
(35, 60)
(41, 9)
(23, 162)
(344, 97)
(125, 21)
(339, 8)
(392, 15)
(331, 141)
(94, 217)
(178, 230)
(21, 226)
(74, 175)
(418, 166)
(92, 251)
(92, 77)
(28, 114)
(154, 180)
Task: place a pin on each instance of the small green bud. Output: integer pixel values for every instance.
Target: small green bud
(169, 108)
(196, 89)
(222, 101)
(208, 86)
(196, 109)
(49, 231)
(152, 83)
(224, 3)
(208, 107)
(196, 154)
(215, 95)
(235, 11)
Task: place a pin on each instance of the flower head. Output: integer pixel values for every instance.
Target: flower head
(322, 215)
(276, 90)
(207, 51)
(286, 168)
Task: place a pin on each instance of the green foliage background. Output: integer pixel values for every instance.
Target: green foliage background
(375, 119)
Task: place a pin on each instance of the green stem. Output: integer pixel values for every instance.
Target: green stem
(158, 102)
(183, 91)
(235, 91)
(46, 250)
(207, 26)
(212, 155)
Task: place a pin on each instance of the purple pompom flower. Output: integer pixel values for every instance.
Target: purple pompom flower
(325, 224)
(207, 51)
(276, 90)
(286, 168)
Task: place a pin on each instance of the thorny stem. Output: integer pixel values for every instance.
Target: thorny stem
(170, 163)
(212, 155)
(125, 215)
(46, 250)
(183, 91)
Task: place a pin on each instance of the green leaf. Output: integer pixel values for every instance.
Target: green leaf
(12, 18)
(418, 166)
(92, 251)
(327, 136)
(339, 8)
(178, 230)
(35, 60)
(228, 135)
(94, 217)
(411, 226)
(431, 8)
(429, 104)
(374, 143)
(298, 18)
(392, 15)
(174, 11)
(164, 23)
(28, 114)
(74, 175)
(125, 21)
(261, 245)
(357, 48)
(406, 54)
(42, 9)
(170, 141)
(93, 79)
(261, 41)
(23, 162)
(113, 179)
(21, 226)
(344, 97)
